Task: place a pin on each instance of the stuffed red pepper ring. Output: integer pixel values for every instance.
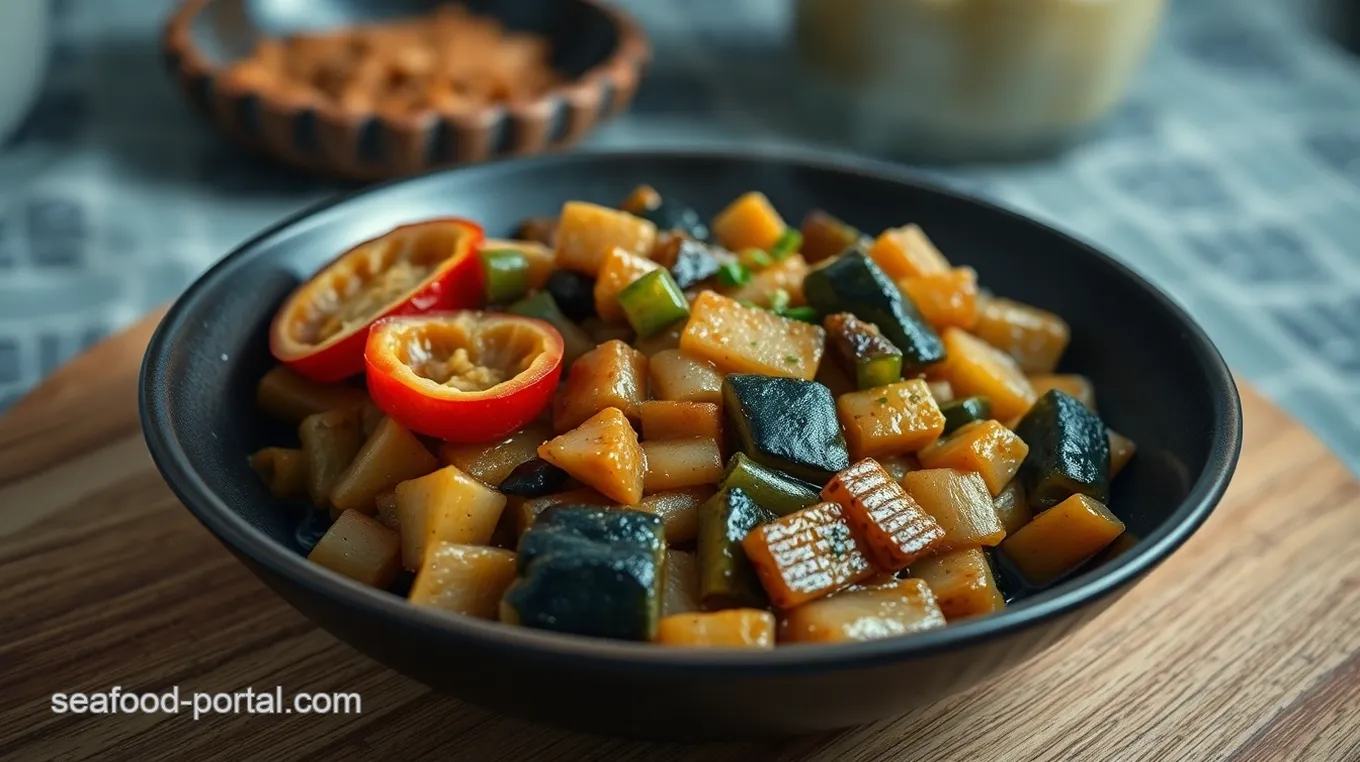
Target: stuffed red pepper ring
(321, 329)
(463, 376)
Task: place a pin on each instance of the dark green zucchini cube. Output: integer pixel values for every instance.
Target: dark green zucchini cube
(787, 424)
(1068, 452)
(726, 578)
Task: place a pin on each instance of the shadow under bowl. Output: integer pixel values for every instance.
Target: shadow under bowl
(1160, 381)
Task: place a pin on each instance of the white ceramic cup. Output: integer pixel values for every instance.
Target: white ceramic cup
(24, 44)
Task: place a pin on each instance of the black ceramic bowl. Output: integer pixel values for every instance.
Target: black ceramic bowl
(1159, 378)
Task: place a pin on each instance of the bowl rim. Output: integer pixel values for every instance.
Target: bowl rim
(601, 654)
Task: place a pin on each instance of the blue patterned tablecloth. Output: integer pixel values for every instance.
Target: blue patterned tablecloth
(1230, 177)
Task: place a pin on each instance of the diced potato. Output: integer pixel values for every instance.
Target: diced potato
(1012, 510)
(941, 391)
(806, 554)
(387, 509)
(283, 471)
(370, 415)
(667, 339)
(892, 527)
(619, 270)
(1059, 539)
(668, 419)
(464, 579)
(749, 222)
(541, 259)
(733, 628)
(359, 548)
(1035, 338)
(610, 375)
(946, 298)
(285, 396)
(960, 502)
(898, 466)
(864, 613)
(987, 447)
(445, 506)
(824, 236)
(975, 369)
(679, 463)
(529, 510)
(678, 377)
(681, 591)
(391, 455)
(1122, 450)
(785, 275)
(330, 440)
(602, 453)
(1075, 385)
(905, 252)
(679, 511)
(587, 233)
(888, 420)
(741, 339)
(493, 461)
(962, 582)
(641, 200)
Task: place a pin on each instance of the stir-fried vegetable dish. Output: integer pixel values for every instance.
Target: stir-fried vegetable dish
(635, 423)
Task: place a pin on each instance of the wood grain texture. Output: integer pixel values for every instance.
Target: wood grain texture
(1242, 647)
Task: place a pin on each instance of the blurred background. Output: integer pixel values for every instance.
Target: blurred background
(1213, 145)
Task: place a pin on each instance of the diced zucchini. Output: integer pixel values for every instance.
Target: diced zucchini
(360, 548)
(864, 613)
(505, 275)
(1057, 540)
(492, 462)
(1122, 450)
(768, 286)
(975, 369)
(962, 582)
(668, 419)
(775, 490)
(806, 555)
(679, 511)
(287, 397)
(330, 440)
(987, 447)
(534, 478)
(734, 628)
(892, 527)
(853, 283)
(610, 375)
(689, 261)
(602, 453)
(1011, 507)
(961, 412)
(946, 298)
(448, 506)
(960, 502)
(573, 293)
(863, 352)
(680, 463)
(464, 579)
(1035, 338)
(824, 236)
(619, 270)
(785, 424)
(544, 307)
(906, 252)
(726, 579)
(888, 420)
(1069, 452)
(391, 455)
(678, 377)
(653, 303)
(680, 593)
(541, 259)
(749, 222)
(283, 471)
(741, 339)
(528, 511)
(1076, 385)
(589, 572)
(587, 233)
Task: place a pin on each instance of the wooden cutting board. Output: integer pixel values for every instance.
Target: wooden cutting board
(1243, 646)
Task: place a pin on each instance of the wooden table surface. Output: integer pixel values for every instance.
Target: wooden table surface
(1244, 646)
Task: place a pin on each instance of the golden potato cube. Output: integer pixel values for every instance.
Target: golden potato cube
(610, 375)
(391, 455)
(749, 222)
(864, 613)
(360, 548)
(992, 450)
(330, 440)
(464, 579)
(889, 420)
(946, 298)
(1011, 507)
(678, 377)
(906, 252)
(586, 233)
(1035, 338)
(447, 505)
(960, 502)
(619, 270)
(679, 463)
(1061, 538)
(602, 453)
(283, 471)
(975, 369)
(806, 554)
(285, 396)
(892, 526)
(962, 582)
(670, 419)
(491, 462)
(680, 593)
(741, 339)
(732, 628)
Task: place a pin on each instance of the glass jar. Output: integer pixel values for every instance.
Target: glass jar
(959, 79)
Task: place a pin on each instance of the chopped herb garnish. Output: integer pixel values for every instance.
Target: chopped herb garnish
(791, 359)
(805, 314)
(733, 274)
(779, 299)
(882, 400)
(789, 243)
(754, 259)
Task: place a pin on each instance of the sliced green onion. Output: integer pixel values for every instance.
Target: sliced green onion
(754, 259)
(733, 274)
(878, 370)
(788, 244)
(505, 274)
(653, 302)
(804, 313)
(779, 299)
